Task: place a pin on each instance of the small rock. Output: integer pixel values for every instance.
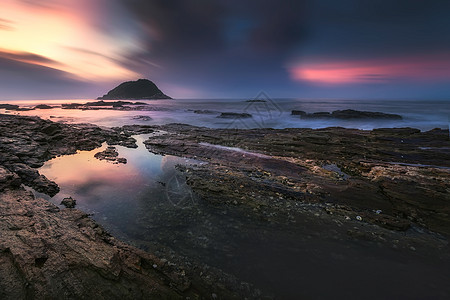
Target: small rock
(69, 202)
(359, 218)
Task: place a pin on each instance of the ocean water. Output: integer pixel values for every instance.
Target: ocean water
(274, 113)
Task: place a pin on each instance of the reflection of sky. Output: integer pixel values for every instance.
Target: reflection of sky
(115, 193)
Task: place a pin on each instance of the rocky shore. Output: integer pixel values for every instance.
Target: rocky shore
(380, 197)
(47, 252)
(403, 173)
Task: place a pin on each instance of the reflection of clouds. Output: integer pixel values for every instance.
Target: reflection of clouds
(83, 169)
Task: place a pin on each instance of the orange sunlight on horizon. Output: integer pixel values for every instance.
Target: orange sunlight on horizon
(61, 37)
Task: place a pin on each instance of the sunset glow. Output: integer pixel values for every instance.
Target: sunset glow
(373, 71)
(63, 34)
(61, 49)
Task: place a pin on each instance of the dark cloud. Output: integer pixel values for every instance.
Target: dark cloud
(366, 28)
(214, 43)
(247, 45)
(20, 80)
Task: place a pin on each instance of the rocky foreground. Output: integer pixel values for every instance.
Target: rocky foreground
(355, 197)
(51, 253)
(359, 213)
(395, 178)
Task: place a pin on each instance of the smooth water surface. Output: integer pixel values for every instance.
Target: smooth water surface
(276, 113)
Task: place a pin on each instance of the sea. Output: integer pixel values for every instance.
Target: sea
(147, 203)
(272, 113)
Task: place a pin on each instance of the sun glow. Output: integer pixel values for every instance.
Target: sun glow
(64, 34)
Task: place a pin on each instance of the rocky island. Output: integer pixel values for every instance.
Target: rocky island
(140, 89)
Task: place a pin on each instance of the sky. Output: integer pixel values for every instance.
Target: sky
(356, 49)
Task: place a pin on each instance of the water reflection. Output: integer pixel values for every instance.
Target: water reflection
(118, 195)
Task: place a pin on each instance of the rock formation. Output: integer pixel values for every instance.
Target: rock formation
(140, 89)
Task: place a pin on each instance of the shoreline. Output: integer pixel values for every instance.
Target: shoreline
(296, 179)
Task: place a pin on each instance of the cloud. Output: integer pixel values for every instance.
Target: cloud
(212, 44)
(27, 57)
(231, 48)
(22, 80)
(6, 25)
(407, 68)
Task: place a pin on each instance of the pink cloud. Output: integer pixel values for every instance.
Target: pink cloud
(431, 68)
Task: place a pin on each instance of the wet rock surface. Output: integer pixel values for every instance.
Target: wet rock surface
(383, 169)
(52, 253)
(381, 193)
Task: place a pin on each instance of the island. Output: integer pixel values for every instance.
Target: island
(140, 89)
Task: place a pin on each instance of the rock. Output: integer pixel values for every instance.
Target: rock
(204, 112)
(43, 106)
(8, 179)
(9, 106)
(69, 202)
(47, 253)
(71, 106)
(232, 115)
(348, 114)
(321, 114)
(110, 154)
(355, 114)
(298, 113)
(255, 100)
(142, 118)
(415, 192)
(14, 107)
(140, 89)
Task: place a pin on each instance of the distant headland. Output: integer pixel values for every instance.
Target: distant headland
(140, 89)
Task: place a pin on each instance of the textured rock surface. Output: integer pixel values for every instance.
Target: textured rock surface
(52, 253)
(403, 172)
(46, 252)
